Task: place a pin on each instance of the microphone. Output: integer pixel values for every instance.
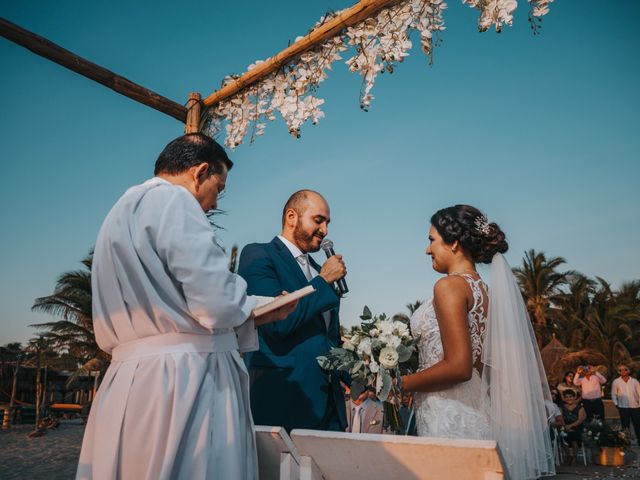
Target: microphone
(327, 246)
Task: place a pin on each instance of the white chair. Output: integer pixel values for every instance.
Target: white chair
(582, 451)
(557, 451)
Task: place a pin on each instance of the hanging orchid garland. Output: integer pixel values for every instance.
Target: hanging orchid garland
(379, 42)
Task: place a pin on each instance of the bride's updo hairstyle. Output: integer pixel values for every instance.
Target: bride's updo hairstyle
(466, 224)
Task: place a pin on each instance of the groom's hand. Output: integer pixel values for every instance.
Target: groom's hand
(277, 314)
(333, 269)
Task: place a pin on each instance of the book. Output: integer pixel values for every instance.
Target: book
(283, 300)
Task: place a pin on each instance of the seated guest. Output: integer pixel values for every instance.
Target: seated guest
(567, 383)
(365, 414)
(573, 416)
(554, 413)
(591, 381)
(554, 409)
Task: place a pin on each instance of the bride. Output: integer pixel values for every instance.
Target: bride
(481, 376)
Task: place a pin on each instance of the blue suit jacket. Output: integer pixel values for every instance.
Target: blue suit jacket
(288, 388)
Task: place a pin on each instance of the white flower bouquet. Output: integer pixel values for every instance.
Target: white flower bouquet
(376, 353)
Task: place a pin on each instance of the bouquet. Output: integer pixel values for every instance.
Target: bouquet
(599, 433)
(376, 354)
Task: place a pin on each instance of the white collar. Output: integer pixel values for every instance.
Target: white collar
(295, 251)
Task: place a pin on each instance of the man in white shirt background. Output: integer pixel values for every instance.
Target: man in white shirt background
(591, 381)
(625, 393)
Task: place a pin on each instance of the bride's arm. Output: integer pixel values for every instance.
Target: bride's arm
(450, 302)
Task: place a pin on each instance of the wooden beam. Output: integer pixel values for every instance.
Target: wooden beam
(192, 124)
(49, 50)
(360, 11)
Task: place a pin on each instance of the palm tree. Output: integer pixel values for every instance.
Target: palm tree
(14, 351)
(39, 348)
(629, 294)
(539, 281)
(608, 321)
(71, 302)
(570, 309)
(412, 307)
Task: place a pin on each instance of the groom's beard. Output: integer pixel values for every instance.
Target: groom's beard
(307, 242)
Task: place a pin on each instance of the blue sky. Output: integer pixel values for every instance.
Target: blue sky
(540, 132)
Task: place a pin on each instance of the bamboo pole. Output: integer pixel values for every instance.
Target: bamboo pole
(38, 394)
(192, 123)
(360, 11)
(49, 50)
(7, 421)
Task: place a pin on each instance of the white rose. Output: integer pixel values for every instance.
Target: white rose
(391, 341)
(349, 346)
(365, 346)
(374, 367)
(385, 327)
(388, 357)
(374, 332)
(401, 329)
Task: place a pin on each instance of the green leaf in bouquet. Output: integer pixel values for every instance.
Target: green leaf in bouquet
(383, 384)
(324, 362)
(404, 353)
(345, 366)
(357, 367)
(357, 387)
(366, 314)
(376, 345)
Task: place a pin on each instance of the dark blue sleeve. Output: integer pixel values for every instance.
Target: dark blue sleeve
(258, 269)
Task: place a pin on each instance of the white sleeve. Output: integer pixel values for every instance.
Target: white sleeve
(216, 297)
(601, 378)
(614, 395)
(247, 333)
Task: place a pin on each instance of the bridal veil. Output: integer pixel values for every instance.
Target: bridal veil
(514, 380)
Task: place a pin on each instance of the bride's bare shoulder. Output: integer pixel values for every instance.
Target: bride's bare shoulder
(451, 287)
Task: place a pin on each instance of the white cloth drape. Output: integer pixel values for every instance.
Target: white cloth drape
(174, 402)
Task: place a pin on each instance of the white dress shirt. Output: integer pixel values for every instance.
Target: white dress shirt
(591, 389)
(307, 269)
(626, 394)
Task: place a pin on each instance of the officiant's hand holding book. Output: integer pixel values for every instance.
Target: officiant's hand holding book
(280, 307)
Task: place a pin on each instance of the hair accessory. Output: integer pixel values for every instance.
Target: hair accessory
(482, 225)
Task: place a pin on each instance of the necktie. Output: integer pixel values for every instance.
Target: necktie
(305, 264)
(303, 260)
(355, 423)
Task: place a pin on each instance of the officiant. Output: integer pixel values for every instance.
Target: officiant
(174, 401)
(288, 388)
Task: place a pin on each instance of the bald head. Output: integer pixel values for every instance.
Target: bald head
(299, 201)
(305, 220)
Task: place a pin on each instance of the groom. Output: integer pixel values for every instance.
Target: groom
(288, 388)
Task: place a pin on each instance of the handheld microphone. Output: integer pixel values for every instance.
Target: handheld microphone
(327, 246)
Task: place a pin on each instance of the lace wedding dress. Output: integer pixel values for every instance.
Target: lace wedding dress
(457, 412)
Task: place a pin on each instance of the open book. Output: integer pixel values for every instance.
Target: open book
(281, 301)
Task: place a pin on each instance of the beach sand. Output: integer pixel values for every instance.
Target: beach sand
(54, 456)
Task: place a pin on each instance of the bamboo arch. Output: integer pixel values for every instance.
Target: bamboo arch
(191, 114)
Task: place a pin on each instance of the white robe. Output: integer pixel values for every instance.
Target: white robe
(174, 402)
